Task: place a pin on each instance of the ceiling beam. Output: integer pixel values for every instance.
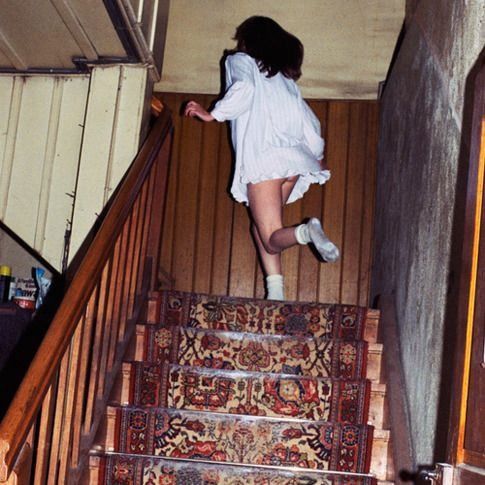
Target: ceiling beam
(73, 24)
(15, 58)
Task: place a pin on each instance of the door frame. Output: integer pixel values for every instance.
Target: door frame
(467, 280)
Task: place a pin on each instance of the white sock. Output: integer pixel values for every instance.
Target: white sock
(275, 288)
(327, 249)
(302, 235)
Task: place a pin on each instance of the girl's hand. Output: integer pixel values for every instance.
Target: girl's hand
(194, 109)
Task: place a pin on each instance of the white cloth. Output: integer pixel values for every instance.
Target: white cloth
(274, 132)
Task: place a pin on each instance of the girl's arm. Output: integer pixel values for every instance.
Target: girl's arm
(194, 109)
(238, 97)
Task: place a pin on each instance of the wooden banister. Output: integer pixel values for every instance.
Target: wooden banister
(86, 337)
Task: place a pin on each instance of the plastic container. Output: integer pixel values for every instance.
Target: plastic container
(5, 277)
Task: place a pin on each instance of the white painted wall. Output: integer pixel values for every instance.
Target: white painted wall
(111, 140)
(65, 140)
(41, 128)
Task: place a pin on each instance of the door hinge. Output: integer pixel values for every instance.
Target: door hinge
(442, 474)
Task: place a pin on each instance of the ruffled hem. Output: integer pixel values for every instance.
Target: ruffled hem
(239, 190)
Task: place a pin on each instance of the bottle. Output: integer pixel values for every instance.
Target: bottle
(5, 277)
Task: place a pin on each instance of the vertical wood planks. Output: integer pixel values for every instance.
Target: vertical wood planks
(64, 138)
(206, 205)
(60, 183)
(110, 141)
(126, 127)
(223, 220)
(368, 204)
(336, 156)
(188, 169)
(206, 242)
(354, 190)
(243, 255)
(38, 173)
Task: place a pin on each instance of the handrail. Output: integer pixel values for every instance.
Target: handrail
(128, 235)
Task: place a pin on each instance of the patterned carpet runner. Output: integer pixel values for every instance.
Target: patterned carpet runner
(178, 308)
(248, 440)
(157, 471)
(318, 357)
(240, 391)
(248, 393)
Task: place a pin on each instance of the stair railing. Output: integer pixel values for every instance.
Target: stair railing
(54, 416)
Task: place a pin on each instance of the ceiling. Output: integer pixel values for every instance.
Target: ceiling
(348, 43)
(48, 34)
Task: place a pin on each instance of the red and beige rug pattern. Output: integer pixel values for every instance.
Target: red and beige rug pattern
(243, 439)
(248, 393)
(261, 316)
(280, 354)
(131, 470)
(242, 392)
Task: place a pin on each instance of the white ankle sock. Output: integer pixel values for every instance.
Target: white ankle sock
(327, 249)
(302, 235)
(275, 288)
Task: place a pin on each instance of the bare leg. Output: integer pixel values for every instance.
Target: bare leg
(266, 200)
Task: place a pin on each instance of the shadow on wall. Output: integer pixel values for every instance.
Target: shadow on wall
(457, 266)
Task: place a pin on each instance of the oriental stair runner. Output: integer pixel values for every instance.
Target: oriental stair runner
(224, 390)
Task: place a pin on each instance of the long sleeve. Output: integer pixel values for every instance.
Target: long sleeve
(311, 131)
(240, 82)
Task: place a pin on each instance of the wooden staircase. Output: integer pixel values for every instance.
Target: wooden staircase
(189, 389)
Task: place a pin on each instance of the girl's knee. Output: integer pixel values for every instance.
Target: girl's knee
(271, 249)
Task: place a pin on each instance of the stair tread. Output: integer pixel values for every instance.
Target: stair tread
(248, 393)
(244, 439)
(130, 469)
(264, 353)
(263, 316)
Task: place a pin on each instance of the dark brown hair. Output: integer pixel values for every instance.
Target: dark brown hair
(274, 49)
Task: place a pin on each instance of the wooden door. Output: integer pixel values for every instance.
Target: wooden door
(466, 445)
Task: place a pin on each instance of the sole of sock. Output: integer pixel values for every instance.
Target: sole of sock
(326, 248)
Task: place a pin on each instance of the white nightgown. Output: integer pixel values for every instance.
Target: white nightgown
(274, 132)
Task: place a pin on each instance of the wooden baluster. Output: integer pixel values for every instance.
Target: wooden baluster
(134, 218)
(85, 358)
(69, 399)
(43, 439)
(109, 327)
(146, 217)
(119, 283)
(96, 351)
(23, 467)
(52, 476)
(136, 258)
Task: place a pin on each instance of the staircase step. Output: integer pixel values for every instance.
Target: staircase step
(381, 461)
(316, 357)
(176, 308)
(235, 439)
(114, 469)
(377, 409)
(247, 393)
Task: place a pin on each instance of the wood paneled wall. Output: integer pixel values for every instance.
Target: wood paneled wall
(206, 242)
